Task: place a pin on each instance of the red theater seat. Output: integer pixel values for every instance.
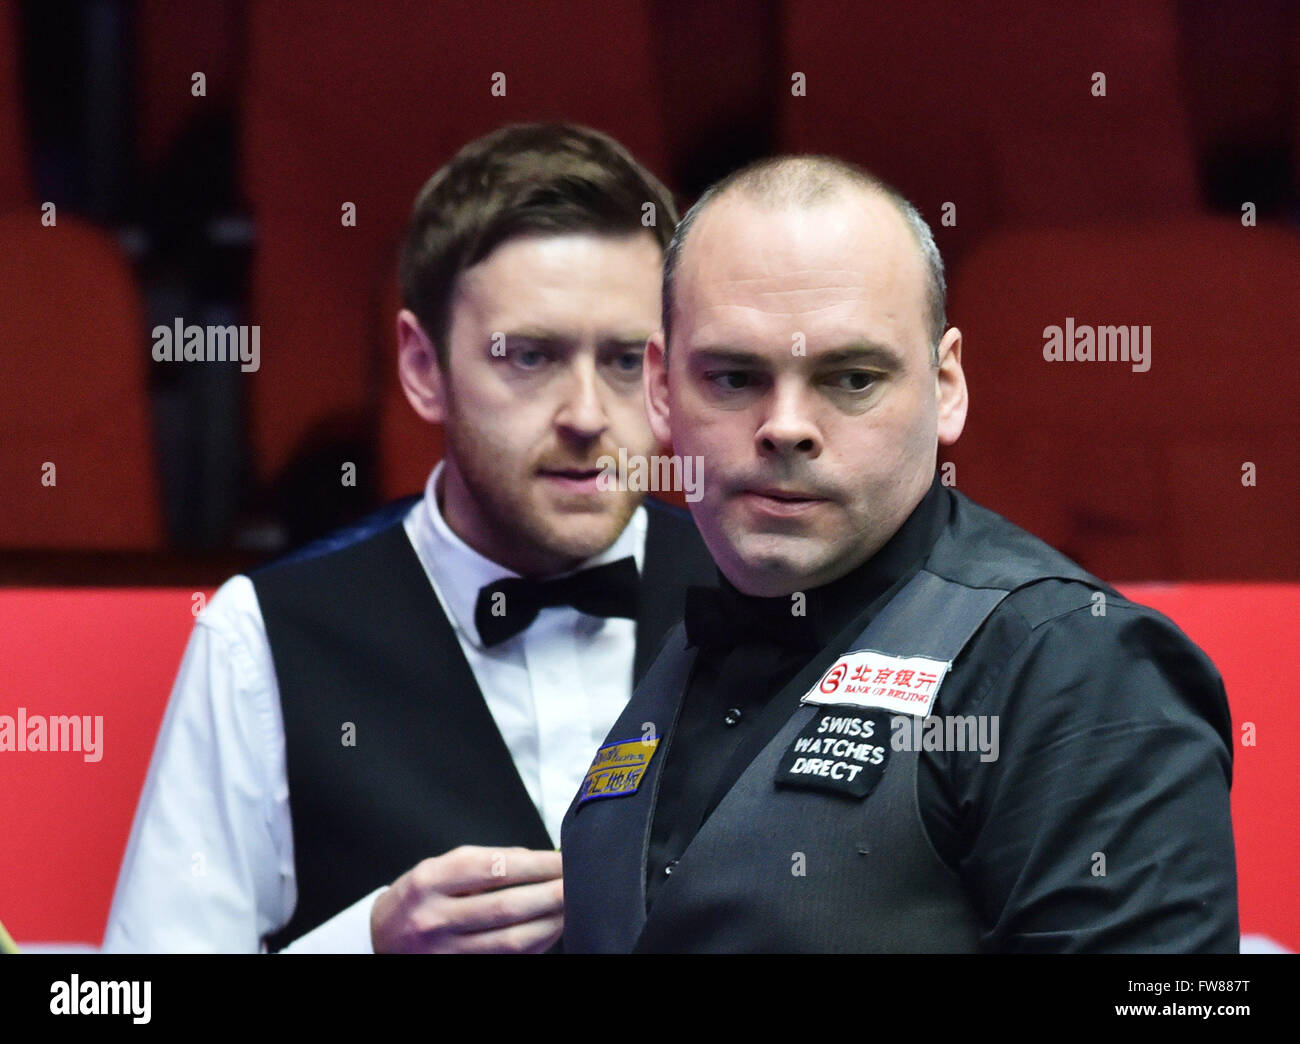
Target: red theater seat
(1139, 474)
(991, 107)
(73, 392)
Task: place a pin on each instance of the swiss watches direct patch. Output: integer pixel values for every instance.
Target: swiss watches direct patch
(843, 750)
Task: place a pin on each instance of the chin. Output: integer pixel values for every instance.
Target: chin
(764, 576)
(767, 567)
(581, 535)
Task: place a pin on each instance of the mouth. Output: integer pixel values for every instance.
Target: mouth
(575, 480)
(774, 500)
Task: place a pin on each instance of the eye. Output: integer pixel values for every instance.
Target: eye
(531, 358)
(853, 380)
(730, 380)
(628, 362)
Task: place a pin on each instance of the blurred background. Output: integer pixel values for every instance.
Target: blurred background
(1125, 163)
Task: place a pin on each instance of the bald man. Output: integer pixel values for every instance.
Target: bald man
(900, 724)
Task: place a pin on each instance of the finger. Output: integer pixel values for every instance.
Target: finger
(530, 937)
(472, 868)
(504, 907)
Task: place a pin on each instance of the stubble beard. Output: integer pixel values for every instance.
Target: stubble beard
(511, 517)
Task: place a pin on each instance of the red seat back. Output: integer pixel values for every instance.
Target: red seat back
(73, 391)
(1139, 474)
(991, 107)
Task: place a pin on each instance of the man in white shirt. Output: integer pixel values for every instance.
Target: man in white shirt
(371, 743)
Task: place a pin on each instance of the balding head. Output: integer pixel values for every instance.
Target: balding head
(798, 182)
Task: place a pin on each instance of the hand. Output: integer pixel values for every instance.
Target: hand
(473, 900)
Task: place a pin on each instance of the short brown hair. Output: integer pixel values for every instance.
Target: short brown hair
(529, 177)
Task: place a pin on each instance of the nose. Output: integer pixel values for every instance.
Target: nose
(582, 413)
(788, 428)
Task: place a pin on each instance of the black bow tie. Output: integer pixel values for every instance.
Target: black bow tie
(507, 606)
(722, 618)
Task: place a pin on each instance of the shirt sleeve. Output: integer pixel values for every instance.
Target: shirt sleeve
(346, 932)
(209, 863)
(1104, 823)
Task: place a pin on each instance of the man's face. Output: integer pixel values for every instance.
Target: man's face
(800, 371)
(544, 377)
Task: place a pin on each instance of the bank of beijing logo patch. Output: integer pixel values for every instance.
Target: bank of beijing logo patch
(617, 769)
(866, 678)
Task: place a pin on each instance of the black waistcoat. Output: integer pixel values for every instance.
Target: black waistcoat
(391, 752)
(781, 870)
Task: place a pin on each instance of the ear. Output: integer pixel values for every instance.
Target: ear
(950, 388)
(654, 379)
(419, 370)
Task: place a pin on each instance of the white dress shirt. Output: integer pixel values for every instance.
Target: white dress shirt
(209, 864)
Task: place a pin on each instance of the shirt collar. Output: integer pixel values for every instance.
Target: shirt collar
(458, 572)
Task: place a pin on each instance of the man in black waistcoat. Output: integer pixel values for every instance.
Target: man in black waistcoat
(901, 724)
(372, 742)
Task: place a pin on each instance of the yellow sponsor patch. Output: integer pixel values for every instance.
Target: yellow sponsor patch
(617, 769)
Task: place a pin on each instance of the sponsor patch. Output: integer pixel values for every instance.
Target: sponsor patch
(617, 769)
(902, 684)
(843, 750)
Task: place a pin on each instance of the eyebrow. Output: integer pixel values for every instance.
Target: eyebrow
(724, 356)
(863, 351)
(858, 351)
(550, 337)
